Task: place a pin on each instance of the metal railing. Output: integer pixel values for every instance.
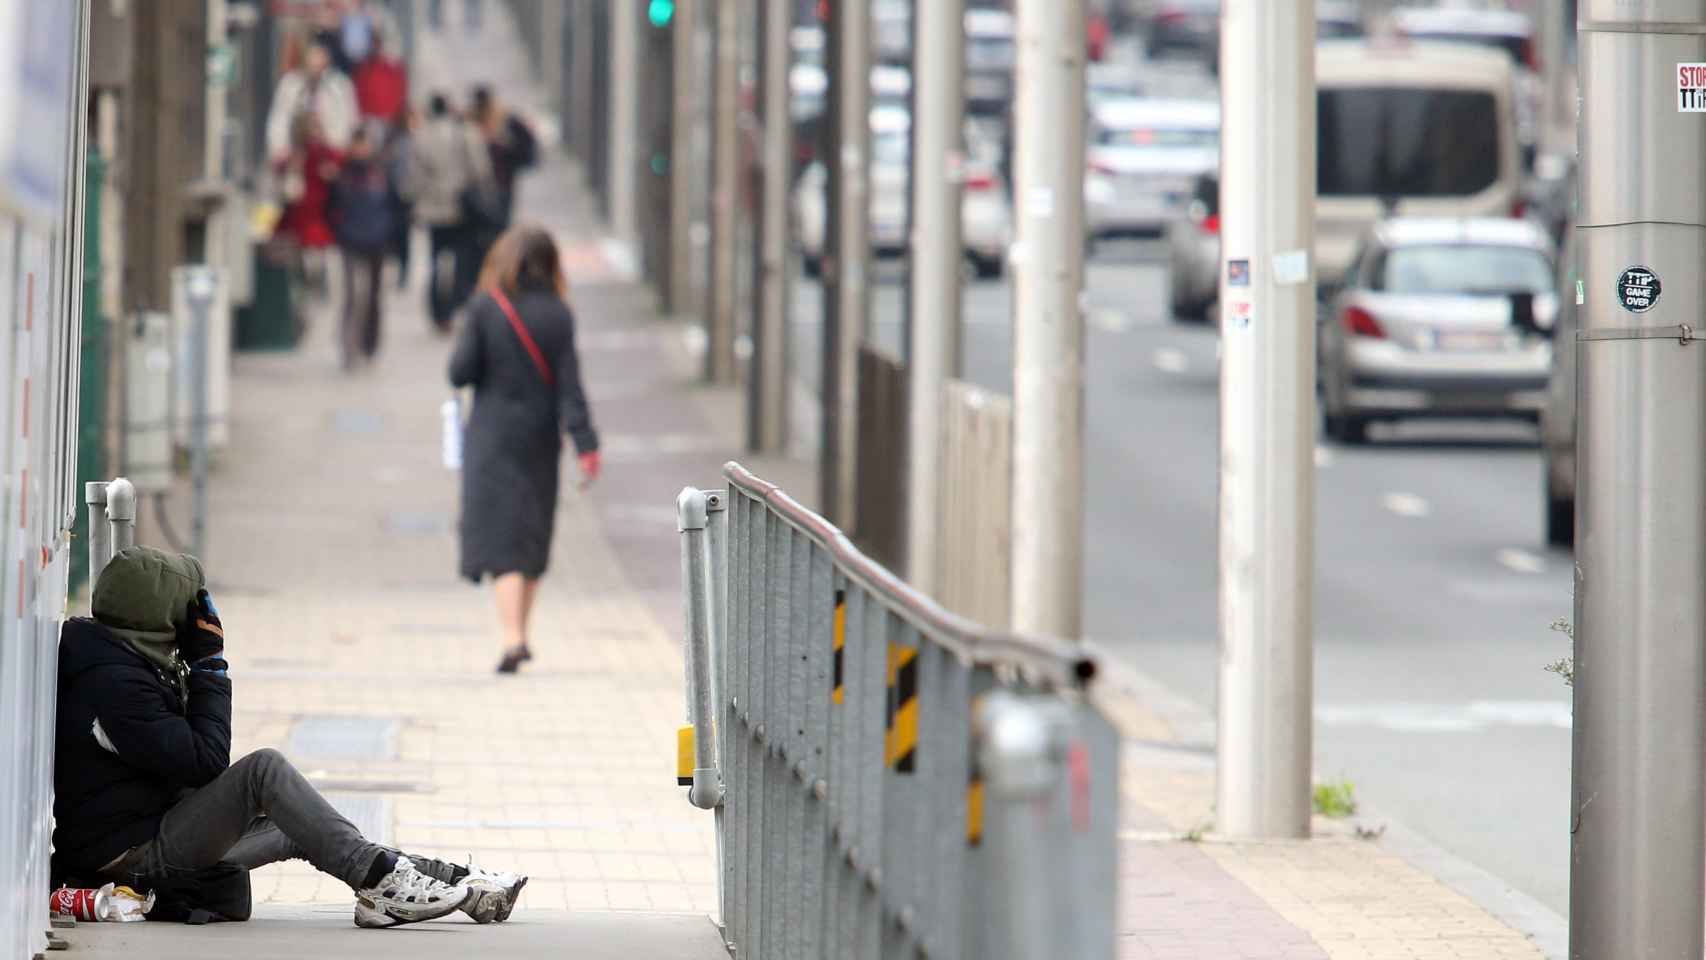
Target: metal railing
(890, 780)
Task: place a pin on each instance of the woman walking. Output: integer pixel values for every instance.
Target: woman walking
(517, 350)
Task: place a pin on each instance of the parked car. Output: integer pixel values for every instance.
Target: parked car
(891, 86)
(1193, 252)
(986, 215)
(1507, 31)
(1440, 317)
(1558, 416)
(1191, 25)
(1110, 81)
(1143, 159)
(990, 55)
(1409, 128)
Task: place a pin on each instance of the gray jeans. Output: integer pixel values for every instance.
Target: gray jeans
(260, 811)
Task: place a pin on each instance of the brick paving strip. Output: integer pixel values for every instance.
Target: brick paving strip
(332, 553)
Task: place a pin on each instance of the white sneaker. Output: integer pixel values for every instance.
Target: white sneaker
(406, 895)
(493, 896)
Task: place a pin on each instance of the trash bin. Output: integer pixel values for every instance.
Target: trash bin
(270, 320)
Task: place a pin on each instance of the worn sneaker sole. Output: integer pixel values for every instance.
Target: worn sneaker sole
(370, 915)
(494, 904)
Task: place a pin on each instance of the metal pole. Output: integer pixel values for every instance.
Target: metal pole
(1048, 327)
(1020, 752)
(725, 193)
(1558, 114)
(121, 514)
(938, 52)
(100, 531)
(214, 96)
(1637, 838)
(847, 252)
(200, 290)
(767, 405)
(624, 119)
(1267, 404)
(682, 172)
(692, 508)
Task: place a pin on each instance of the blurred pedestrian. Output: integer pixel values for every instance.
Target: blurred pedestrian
(517, 351)
(510, 144)
(306, 173)
(315, 87)
(382, 85)
(396, 157)
(447, 163)
(364, 217)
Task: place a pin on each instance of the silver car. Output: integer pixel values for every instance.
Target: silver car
(1439, 317)
(1144, 157)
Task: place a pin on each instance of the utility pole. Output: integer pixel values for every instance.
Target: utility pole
(767, 403)
(725, 192)
(847, 251)
(1048, 326)
(938, 115)
(682, 173)
(1267, 416)
(624, 119)
(1637, 838)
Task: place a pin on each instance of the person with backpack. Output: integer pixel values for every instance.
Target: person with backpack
(364, 219)
(145, 792)
(449, 173)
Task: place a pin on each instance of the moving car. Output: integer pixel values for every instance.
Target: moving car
(990, 55)
(1507, 31)
(1558, 417)
(1409, 128)
(1193, 252)
(1439, 317)
(1143, 160)
(986, 215)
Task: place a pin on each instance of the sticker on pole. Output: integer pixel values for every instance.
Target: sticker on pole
(1638, 289)
(1691, 88)
(1238, 315)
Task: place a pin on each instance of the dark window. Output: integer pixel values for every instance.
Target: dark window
(1208, 194)
(1408, 142)
(1475, 268)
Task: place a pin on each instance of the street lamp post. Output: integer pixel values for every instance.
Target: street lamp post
(1637, 833)
(1267, 410)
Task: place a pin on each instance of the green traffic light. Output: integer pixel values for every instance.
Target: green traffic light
(661, 12)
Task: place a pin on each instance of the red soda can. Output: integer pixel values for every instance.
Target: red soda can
(80, 903)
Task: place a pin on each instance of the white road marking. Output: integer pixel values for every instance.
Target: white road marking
(1170, 360)
(1472, 717)
(1111, 321)
(1323, 456)
(1521, 561)
(1405, 504)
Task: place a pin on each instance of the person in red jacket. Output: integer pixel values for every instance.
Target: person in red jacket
(382, 85)
(305, 178)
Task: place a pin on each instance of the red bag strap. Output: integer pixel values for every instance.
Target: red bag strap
(526, 338)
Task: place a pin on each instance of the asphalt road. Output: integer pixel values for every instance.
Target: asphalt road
(1434, 592)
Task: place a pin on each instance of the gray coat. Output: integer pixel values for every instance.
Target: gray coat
(513, 443)
(445, 157)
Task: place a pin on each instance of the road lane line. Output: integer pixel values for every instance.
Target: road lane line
(1110, 321)
(1521, 561)
(1323, 456)
(1170, 360)
(1405, 504)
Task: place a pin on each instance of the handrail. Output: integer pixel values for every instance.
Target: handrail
(1047, 660)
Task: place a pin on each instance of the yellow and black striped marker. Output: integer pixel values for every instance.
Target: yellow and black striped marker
(974, 810)
(901, 742)
(684, 756)
(840, 646)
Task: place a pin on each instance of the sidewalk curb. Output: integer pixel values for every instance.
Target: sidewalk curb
(1195, 730)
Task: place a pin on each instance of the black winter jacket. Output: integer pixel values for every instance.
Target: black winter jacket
(127, 746)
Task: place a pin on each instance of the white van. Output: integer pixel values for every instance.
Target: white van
(1426, 128)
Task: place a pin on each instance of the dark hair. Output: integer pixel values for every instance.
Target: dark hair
(438, 105)
(524, 258)
(482, 96)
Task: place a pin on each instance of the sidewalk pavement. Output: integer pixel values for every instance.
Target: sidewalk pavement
(356, 651)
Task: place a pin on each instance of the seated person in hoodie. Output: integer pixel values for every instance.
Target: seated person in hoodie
(143, 784)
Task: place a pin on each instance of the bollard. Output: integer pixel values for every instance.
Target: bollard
(121, 512)
(1022, 754)
(100, 533)
(691, 513)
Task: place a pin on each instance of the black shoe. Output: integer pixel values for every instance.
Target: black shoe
(511, 662)
(526, 654)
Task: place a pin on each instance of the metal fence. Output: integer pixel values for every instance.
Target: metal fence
(889, 780)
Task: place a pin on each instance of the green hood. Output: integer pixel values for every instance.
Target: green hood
(142, 596)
